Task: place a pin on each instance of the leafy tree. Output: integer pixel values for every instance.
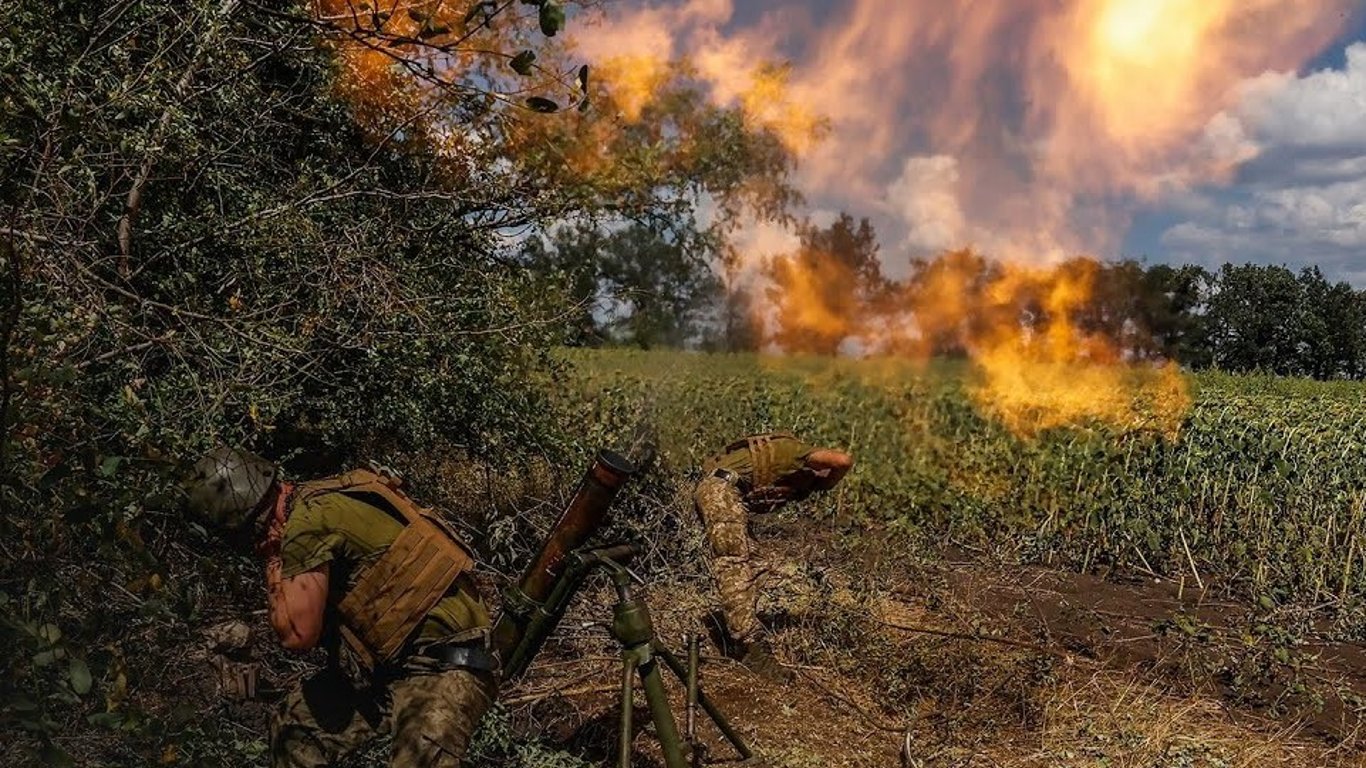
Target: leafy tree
(1254, 317)
(821, 291)
(1150, 313)
(636, 285)
(1330, 322)
(935, 289)
(1172, 308)
(739, 329)
(1113, 309)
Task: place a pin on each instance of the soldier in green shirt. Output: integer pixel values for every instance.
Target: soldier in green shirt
(758, 473)
(353, 563)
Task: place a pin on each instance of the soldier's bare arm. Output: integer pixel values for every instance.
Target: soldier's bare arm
(829, 466)
(296, 604)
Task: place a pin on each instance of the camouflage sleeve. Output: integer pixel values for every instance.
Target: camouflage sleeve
(308, 541)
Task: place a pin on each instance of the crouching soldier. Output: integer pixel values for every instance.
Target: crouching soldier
(758, 473)
(352, 563)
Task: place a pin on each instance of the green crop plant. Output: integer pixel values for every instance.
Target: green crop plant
(1262, 490)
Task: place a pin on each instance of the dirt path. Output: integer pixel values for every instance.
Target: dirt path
(1176, 631)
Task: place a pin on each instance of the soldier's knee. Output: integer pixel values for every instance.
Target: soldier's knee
(729, 540)
(438, 719)
(295, 729)
(699, 497)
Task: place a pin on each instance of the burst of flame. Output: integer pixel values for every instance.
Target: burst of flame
(634, 80)
(1139, 81)
(1039, 362)
(1061, 373)
(633, 51)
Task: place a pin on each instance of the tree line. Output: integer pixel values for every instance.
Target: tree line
(635, 286)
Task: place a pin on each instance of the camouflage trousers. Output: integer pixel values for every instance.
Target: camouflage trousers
(430, 712)
(726, 520)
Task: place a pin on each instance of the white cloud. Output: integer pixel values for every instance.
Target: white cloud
(757, 241)
(1325, 108)
(925, 198)
(1302, 194)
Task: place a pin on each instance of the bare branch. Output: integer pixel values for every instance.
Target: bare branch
(133, 202)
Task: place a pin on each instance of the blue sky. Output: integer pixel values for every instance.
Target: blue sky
(1278, 210)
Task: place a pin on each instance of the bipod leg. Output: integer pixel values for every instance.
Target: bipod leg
(666, 728)
(698, 749)
(708, 706)
(633, 629)
(628, 703)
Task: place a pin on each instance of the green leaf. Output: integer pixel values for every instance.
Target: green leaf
(542, 105)
(552, 18)
(105, 719)
(521, 63)
(80, 677)
(46, 658)
(50, 634)
(110, 465)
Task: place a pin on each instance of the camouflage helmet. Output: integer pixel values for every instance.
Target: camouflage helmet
(227, 484)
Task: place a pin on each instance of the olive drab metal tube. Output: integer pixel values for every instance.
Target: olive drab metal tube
(666, 728)
(727, 730)
(628, 704)
(694, 657)
(582, 517)
(694, 645)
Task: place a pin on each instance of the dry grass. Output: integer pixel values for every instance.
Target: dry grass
(1119, 720)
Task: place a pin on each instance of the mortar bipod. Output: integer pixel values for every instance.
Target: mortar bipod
(633, 630)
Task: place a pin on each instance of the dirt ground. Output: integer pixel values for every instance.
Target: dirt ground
(962, 663)
(949, 662)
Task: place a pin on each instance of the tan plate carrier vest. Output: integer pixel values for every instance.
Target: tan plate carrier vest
(761, 456)
(395, 593)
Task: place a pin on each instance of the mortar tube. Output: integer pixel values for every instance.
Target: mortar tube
(544, 618)
(584, 516)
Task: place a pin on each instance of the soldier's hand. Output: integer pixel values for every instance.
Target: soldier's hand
(228, 648)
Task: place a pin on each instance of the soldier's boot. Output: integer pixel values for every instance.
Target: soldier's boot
(759, 659)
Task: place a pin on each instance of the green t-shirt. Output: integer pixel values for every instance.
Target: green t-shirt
(350, 535)
(788, 455)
